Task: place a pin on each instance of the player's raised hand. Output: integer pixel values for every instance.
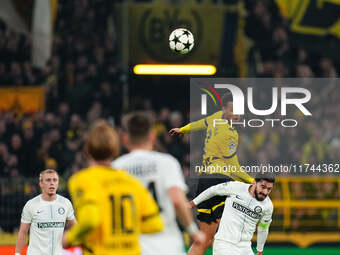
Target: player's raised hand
(175, 131)
(199, 237)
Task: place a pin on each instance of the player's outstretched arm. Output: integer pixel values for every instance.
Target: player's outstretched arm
(222, 189)
(22, 236)
(175, 132)
(191, 127)
(179, 201)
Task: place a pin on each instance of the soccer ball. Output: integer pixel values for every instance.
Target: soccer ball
(181, 41)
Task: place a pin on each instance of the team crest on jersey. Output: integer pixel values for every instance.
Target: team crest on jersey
(61, 210)
(232, 147)
(258, 209)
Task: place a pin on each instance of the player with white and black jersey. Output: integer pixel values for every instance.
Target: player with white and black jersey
(161, 174)
(45, 217)
(246, 206)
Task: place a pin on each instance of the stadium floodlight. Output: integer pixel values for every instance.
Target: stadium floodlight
(149, 69)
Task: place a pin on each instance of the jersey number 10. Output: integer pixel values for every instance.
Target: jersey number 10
(124, 215)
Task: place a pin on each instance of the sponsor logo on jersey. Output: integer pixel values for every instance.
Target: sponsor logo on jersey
(246, 211)
(56, 224)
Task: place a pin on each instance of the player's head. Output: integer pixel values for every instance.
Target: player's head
(102, 142)
(263, 186)
(49, 182)
(227, 107)
(139, 129)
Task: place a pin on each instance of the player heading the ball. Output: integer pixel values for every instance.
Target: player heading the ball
(220, 150)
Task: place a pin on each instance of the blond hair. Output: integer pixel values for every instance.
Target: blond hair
(47, 171)
(102, 141)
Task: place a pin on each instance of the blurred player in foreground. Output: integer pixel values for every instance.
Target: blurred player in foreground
(220, 151)
(162, 175)
(245, 207)
(45, 216)
(112, 207)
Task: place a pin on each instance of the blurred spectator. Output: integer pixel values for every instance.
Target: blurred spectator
(315, 150)
(327, 68)
(64, 115)
(3, 133)
(30, 145)
(4, 158)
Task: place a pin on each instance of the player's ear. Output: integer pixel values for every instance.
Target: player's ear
(40, 184)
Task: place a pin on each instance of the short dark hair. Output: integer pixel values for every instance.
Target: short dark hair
(265, 177)
(226, 98)
(138, 125)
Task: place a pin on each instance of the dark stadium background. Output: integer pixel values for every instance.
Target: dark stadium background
(89, 76)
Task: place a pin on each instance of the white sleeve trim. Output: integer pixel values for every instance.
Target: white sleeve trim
(26, 214)
(217, 190)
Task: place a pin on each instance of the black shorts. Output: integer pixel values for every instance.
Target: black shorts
(211, 209)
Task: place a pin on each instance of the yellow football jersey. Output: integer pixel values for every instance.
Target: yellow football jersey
(220, 147)
(124, 208)
(221, 139)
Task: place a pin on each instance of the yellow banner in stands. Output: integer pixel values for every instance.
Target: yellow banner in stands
(312, 17)
(22, 99)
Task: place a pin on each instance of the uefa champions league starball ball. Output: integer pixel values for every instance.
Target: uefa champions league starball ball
(181, 41)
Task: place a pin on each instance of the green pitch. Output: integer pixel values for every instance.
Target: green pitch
(295, 251)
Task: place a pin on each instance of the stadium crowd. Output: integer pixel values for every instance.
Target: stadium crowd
(83, 83)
